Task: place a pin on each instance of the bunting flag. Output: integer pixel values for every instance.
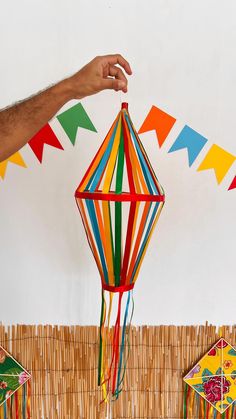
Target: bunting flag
(16, 159)
(233, 184)
(218, 159)
(159, 121)
(191, 140)
(45, 136)
(75, 118)
(14, 388)
(120, 201)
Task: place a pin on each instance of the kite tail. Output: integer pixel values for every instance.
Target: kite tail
(17, 406)
(195, 406)
(111, 377)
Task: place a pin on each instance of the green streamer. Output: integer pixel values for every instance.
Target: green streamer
(185, 401)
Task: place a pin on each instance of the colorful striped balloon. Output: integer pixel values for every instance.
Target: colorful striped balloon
(120, 200)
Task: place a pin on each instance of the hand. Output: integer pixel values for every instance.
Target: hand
(99, 74)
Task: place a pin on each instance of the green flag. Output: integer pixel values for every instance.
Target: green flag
(74, 118)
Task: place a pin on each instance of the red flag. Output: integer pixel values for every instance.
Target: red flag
(45, 136)
(233, 184)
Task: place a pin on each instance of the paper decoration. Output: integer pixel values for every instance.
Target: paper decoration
(159, 121)
(218, 159)
(214, 378)
(44, 136)
(74, 118)
(191, 140)
(14, 391)
(71, 119)
(15, 158)
(233, 184)
(120, 200)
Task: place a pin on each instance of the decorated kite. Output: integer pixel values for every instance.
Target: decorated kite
(210, 386)
(14, 388)
(120, 200)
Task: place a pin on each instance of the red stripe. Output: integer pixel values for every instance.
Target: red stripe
(128, 242)
(123, 197)
(122, 288)
(91, 164)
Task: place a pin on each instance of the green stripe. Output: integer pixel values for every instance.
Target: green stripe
(205, 408)
(185, 401)
(118, 211)
(111, 237)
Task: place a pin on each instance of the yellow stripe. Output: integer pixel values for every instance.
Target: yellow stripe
(98, 157)
(106, 243)
(107, 228)
(112, 159)
(150, 235)
(90, 237)
(136, 164)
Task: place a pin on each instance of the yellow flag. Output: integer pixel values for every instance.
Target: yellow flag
(15, 158)
(218, 159)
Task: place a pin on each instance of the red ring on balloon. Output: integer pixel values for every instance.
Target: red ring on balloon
(121, 288)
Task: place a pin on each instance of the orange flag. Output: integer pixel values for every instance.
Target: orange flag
(159, 121)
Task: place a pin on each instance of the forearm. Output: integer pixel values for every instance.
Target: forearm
(19, 123)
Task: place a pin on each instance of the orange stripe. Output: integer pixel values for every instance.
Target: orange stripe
(108, 238)
(159, 187)
(148, 240)
(136, 165)
(138, 240)
(89, 236)
(112, 159)
(105, 242)
(97, 158)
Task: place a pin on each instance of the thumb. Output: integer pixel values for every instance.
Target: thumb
(114, 84)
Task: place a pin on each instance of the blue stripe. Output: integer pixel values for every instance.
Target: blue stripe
(145, 239)
(103, 162)
(93, 219)
(146, 171)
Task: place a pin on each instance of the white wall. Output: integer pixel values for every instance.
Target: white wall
(184, 61)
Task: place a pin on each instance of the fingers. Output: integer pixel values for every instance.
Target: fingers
(119, 75)
(114, 84)
(118, 59)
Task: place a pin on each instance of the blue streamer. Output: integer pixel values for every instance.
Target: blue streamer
(5, 410)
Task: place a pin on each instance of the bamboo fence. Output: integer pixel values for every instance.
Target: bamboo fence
(63, 363)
